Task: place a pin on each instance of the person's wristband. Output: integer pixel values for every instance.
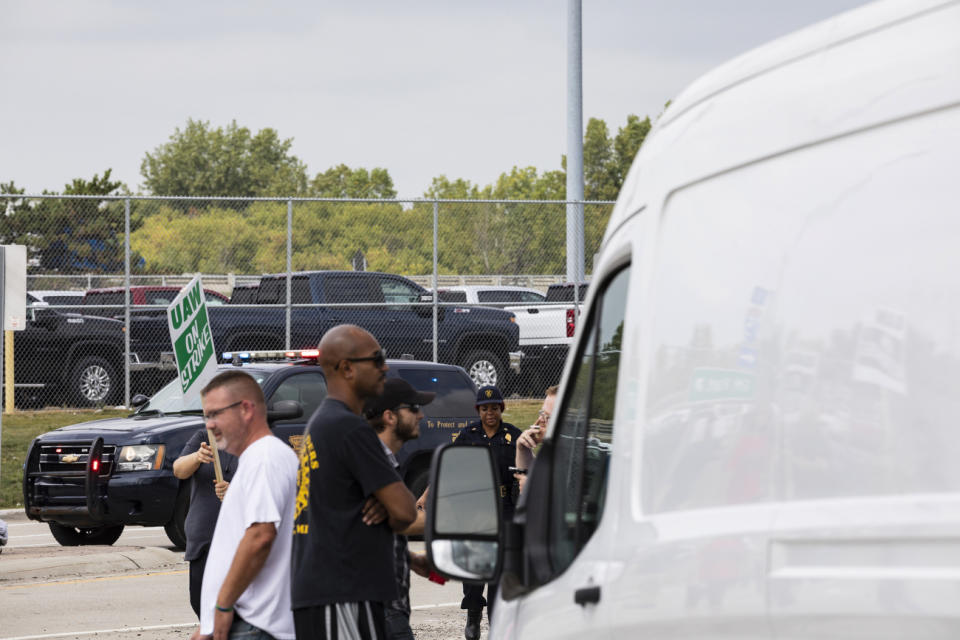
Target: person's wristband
(224, 609)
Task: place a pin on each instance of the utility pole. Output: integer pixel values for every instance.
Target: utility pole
(575, 240)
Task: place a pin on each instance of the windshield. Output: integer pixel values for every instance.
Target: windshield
(170, 398)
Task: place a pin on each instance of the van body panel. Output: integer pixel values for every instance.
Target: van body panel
(784, 443)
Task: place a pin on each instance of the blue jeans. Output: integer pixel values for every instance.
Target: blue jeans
(243, 630)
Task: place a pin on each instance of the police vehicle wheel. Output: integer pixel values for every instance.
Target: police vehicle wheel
(484, 368)
(176, 529)
(94, 381)
(73, 536)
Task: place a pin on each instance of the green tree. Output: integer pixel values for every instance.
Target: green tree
(203, 161)
(599, 166)
(13, 214)
(343, 182)
(627, 143)
(75, 235)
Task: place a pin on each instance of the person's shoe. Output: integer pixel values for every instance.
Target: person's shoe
(472, 630)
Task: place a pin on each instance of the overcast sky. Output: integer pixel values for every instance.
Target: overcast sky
(466, 89)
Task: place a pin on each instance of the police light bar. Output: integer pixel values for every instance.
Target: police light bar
(250, 356)
(304, 354)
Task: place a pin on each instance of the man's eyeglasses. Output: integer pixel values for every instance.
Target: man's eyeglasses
(413, 408)
(212, 415)
(543, 414)
(378, 359)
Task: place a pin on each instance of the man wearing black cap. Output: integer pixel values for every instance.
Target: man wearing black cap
(490, 431)
(395, 415)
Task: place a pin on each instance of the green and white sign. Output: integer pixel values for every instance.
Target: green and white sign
(721, 384)
(192, 339)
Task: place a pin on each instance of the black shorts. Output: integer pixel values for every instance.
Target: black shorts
(340, 621)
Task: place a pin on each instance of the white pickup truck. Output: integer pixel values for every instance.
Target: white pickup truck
(546, 322)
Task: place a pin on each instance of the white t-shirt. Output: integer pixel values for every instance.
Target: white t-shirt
(263, 489)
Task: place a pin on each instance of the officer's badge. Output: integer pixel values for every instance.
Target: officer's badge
(507, 438)
(489, 393)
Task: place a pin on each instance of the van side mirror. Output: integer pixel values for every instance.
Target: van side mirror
(139, 400)
(463, 514)
(284, 410)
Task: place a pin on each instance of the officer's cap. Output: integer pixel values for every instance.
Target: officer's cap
(489, 395)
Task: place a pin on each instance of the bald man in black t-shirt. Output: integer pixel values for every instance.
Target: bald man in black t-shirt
(350, 500)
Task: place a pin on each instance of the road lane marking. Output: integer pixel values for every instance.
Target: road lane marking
(53, 543)
(419, 607)
(68, 634)
(170, 626)
(57, 583)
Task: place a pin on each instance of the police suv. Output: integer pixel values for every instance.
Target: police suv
(89, 480)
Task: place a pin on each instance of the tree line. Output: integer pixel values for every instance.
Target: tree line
(181, 236)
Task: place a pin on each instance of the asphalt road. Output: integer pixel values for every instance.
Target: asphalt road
(137, 588)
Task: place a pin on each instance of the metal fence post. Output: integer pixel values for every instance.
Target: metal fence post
(436, 291)
(286, 344)
(126, 302)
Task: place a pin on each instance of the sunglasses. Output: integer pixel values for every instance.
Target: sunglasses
(413, 408)
(378, 359)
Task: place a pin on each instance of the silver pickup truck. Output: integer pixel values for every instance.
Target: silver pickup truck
(547, 323)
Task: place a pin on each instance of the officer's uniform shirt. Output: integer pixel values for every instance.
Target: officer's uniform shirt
(503, 445)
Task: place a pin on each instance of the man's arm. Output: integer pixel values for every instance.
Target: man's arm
(399, 503)
(247, 562)
(416, 529)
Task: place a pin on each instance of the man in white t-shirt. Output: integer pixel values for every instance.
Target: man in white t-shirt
(246, 583)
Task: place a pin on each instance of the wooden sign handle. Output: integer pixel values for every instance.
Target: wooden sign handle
(216, 456)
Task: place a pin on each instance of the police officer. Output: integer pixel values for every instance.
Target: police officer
(490, 431)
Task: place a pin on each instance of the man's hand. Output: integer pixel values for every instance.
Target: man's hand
(419, 563)
(373, 512)
(222, 620)
(220, 488)
(531, 438)
(521, 480)
(204, 453)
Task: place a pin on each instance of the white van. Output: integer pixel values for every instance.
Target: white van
(758, 430)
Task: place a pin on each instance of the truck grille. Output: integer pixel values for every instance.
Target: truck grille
(73, 458)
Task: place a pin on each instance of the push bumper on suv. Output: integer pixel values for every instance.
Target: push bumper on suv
(74, 483)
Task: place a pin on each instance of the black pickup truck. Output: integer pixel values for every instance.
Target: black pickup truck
(484, 341)
(89, 480)
(67, 358)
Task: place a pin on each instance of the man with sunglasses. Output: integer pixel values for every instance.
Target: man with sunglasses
(395, 415)
(501, 437)
(350, 500)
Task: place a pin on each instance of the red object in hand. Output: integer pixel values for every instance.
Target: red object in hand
(436, 577)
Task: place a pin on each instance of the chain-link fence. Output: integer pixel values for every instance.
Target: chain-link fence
(278, 273)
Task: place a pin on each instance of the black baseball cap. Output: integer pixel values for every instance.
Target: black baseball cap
(396, 391)
(489, 395)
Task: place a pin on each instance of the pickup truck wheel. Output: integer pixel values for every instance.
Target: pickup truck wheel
(484, 368)
(93, 381)
(73, 536)
(176, 529)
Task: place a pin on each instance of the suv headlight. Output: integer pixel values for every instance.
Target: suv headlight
(140, 457)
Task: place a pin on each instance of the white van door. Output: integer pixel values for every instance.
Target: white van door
(574, 563)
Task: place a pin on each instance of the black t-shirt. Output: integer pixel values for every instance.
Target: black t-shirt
(503, 446)
(204, 503)
(336, 557)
